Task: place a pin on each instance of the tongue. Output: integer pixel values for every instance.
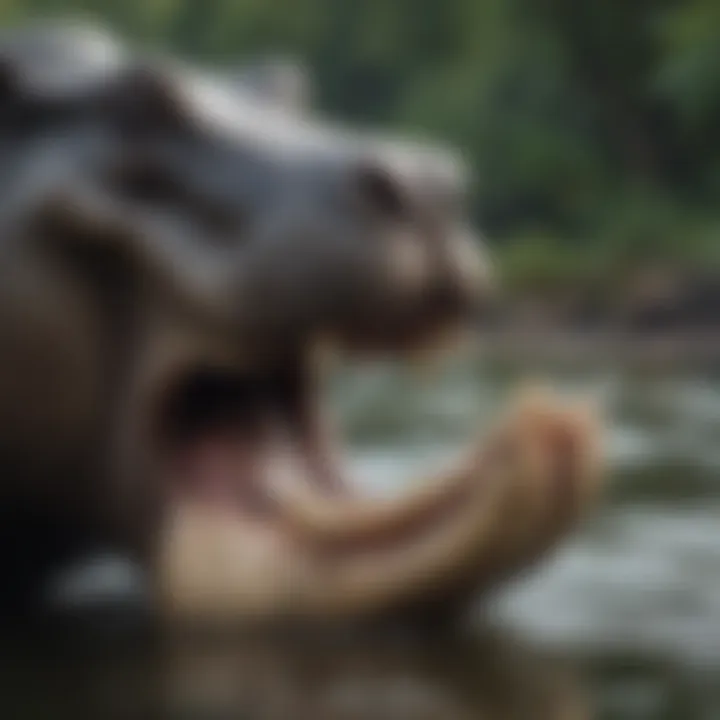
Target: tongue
(225, 468)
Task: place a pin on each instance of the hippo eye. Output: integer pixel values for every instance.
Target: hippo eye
(148, 184)
(382, 194)
(152, 185)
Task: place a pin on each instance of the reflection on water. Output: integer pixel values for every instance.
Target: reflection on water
(378, 678)
(373, 677)
(623, 622)
(485, 674)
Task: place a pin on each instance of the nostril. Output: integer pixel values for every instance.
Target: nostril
(382, 193)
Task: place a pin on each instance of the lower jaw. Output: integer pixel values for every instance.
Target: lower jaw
(313, 557)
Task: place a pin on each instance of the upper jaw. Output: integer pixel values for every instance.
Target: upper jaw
(171, 349)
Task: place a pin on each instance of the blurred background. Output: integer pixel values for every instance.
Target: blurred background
(590, 126)
(591, 129)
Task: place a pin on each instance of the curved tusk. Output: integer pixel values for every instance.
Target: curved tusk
(547, 500)
(380, 581)
(562, 500)
(328, 521)
(505, 515)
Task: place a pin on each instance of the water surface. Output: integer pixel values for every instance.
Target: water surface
(622, 622)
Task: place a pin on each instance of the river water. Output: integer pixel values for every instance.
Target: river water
(622, 622)
(638, 585)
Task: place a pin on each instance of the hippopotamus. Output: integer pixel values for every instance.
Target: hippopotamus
(178, 246)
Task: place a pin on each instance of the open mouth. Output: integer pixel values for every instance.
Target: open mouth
(220, 434)
(240, 441)
(246, 458)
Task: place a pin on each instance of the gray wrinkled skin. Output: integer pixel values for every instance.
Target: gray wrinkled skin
(151, 213)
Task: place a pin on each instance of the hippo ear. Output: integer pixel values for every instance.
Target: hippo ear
(144, 100)
(280, 82)
(53, 63)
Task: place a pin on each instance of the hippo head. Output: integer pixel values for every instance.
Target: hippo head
(187, 239)
(254, 213)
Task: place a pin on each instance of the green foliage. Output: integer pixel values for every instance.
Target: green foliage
(592, 124)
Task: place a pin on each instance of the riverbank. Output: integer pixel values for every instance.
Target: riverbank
(696, 351)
